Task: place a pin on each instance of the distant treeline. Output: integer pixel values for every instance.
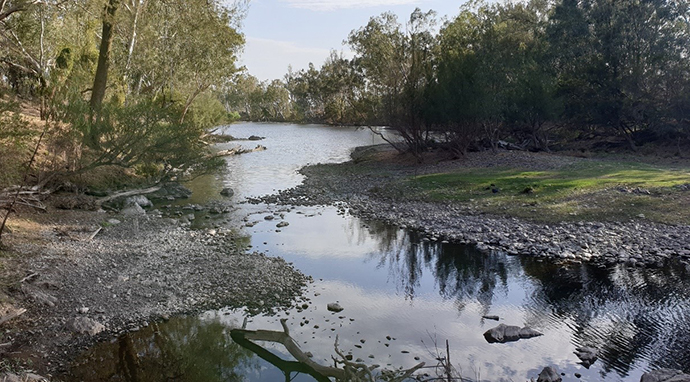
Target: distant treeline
(533, 73)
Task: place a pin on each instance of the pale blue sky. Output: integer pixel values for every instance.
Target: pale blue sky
(295, 32)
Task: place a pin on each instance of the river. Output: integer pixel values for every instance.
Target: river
(403, 295)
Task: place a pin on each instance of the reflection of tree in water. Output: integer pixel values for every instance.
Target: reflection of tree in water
(632, 315)
(184, 349)
(461, 272)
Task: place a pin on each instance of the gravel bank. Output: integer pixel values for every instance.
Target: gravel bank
(371, 190)
(139, 269)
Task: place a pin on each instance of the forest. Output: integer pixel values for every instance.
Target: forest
(532, 74)
(135, 85)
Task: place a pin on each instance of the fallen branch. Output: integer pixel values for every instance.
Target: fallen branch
(291, 346)
(128, 193)
(95, 233)
(352, 371)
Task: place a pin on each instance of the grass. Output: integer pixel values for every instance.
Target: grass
(592, 190)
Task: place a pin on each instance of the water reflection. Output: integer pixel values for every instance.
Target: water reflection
(637, 318)
(632, 315)
(183, 349)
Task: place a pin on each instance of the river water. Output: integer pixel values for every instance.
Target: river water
(404, 296)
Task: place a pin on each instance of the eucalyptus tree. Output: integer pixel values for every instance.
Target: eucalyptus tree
(396, 64)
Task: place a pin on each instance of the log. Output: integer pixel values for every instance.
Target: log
(128, 193)
(352, 371)
(291, 346)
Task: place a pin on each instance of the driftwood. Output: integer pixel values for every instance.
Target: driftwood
(95, 233)
(291, 346)
(142, 191)
(238, 151)
(351, 372)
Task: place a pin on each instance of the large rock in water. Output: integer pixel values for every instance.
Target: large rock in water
(171, 191)
(549, 374)
(334, 307)
(505, 333)
(665, 375)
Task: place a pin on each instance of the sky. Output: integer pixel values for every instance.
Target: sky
(296, 32)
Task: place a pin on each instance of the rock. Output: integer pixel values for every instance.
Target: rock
(665, 375)
(84, 325)
(549, 374)
(31, 377)
(134, 210)
(495, 318)
(113, 221)
(505, 333)
(282, 224)
(588, 355)
(227, 192)
(334, 307)
(269, 217)
(10, 377)
(255, 138)
(140, 200)
(171, 191)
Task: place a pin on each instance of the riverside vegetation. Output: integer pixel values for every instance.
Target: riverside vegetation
(92, 102)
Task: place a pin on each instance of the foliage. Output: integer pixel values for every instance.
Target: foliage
(15, 137)
(159, 90)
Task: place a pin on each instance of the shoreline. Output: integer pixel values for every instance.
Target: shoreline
(370, 185)
(138, 269)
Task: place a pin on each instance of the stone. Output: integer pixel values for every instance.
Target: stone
(171, 191)
(85, 325)
(549, 374)
(31, 377)
(10, 377)
(134, 210)
(665, 375)
(505, 333)
(227, 192)
(140, 200)
(282, 224)
(113, 221)
(588, 355)
(255, 138)
(334, 307)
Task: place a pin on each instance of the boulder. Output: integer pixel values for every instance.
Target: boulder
(334, 307)
(505, 333)
(665, 375)
(255, 138)
(139, 200)
(549, 374)
(171, 191)
(134, 210)
(85, 325)
(227, 192)
(282, 224)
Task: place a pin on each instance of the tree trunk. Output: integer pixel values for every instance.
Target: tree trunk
(101, 79)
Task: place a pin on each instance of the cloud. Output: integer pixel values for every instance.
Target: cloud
(331, 5)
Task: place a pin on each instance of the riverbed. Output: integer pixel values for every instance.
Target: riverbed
(403, 294)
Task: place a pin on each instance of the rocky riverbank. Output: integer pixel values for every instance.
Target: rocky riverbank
(86, 276)
(372, 185)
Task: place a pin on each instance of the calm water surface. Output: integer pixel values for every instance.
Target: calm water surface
(402, 296)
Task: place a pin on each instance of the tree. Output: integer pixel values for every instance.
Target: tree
(397, 67)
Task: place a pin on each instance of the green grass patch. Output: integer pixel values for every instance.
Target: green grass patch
(585, 191)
